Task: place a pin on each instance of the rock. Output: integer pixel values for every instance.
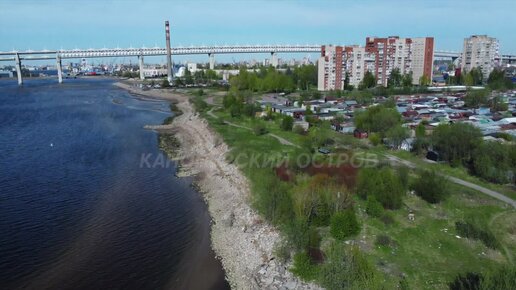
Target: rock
(228, 222)
(291, 284)
(262, 271)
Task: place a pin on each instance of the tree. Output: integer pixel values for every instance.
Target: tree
(474, 77)
(373, 207)
(431, 187)
(305, 76)
(383, 184)
(476, 98)
(498, 81)
(456, 142)
(377, 119)
(369, 81)
(424, 80)
(397, 135)
(165, 84)
(286, 123)
(346, 81)
(497, 105)
(188, 77)
(259, 129)
(394, 78)
(211, 75)
(494, 161)
(344, 224)
(407, 80)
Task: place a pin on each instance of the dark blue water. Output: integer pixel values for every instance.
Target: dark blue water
(78, 207)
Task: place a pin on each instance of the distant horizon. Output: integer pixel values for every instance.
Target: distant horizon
(59, 24)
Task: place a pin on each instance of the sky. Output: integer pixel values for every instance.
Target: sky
(69, 24)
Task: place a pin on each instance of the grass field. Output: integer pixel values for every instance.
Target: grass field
(427, 251)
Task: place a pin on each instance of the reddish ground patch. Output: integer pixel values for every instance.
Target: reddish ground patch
(344, 174)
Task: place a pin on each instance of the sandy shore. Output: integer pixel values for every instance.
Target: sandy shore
(240, 238)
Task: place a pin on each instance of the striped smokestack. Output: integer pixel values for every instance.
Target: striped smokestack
(169, 54)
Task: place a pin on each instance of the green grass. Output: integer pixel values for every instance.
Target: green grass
(427, 249)
(424, 251)
(458, 172)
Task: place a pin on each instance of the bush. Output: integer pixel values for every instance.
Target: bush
(501, 278)
(272, 199)
(344, 224)
(348, 268)
(304, 267)
(383, 184)
(299, 130)
(259, 129)
(282, 251)
(375, 139)
(165, 83)
(383, 240)
(199, 104)
(474, 231)
(373, 207)
(468, 281)
(387, 219)
(431, 187)
(286, 123)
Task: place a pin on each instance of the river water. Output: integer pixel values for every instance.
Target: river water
(87, 199)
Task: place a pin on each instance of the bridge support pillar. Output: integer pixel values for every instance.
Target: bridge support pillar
(274, 59)
(18, 69)
(212, 60)
(59, 69)
(170, 69)
(142, 75)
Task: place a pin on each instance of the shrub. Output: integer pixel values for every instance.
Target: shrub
(475, 231)
(383, 240)
(344, 224)
(375, 139)
(272, 199)
(199, 104)
(500, 278)
(282, 251)
(468, 281)
(286, 123)
(297, 234)
(373, 207)
(299, 130)
(384, 184)
(259, 129)
(387, 219)
(348, 268)
(431, 187)
(304, 267)
(165, 83)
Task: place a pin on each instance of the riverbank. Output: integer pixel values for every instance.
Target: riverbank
(240, 238)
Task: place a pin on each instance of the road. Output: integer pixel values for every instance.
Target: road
(459, 181)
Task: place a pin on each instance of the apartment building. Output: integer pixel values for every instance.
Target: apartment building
(330, 68)
(409, 55)
(480, 51)
(379, 56)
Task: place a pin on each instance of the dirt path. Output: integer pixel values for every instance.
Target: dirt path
(459, 181)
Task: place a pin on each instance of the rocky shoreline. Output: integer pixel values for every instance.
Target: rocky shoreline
(240, 238)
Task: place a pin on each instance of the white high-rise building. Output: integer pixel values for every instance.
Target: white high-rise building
(480, 51)
(356, 63)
